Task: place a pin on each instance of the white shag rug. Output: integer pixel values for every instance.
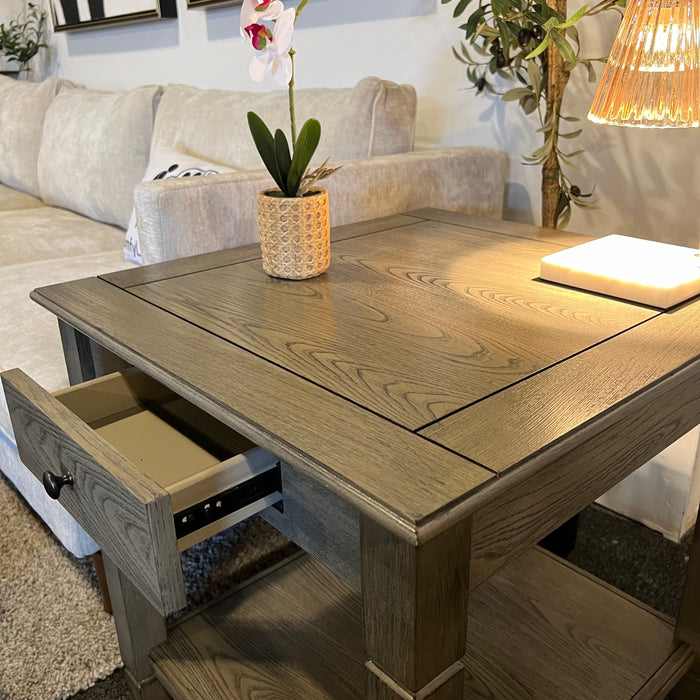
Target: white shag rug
(55, 638)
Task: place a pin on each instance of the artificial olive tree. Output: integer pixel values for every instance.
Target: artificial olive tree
(535, 44)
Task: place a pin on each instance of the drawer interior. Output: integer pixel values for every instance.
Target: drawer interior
(193, 456)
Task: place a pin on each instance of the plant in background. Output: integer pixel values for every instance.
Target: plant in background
(22, 38)
(535, 44)
(273, 53)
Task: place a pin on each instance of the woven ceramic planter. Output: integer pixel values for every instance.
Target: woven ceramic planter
(295, 234)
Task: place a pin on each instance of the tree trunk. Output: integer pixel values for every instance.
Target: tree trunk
(557, 78)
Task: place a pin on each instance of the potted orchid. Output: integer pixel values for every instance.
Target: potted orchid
(293, 219)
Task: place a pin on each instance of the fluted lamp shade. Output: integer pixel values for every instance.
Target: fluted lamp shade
(652, 77)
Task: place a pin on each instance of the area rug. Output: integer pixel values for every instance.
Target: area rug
(55, 638)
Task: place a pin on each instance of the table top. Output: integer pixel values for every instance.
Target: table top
(428, 361)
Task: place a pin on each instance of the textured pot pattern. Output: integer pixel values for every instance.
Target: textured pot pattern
(295, 235)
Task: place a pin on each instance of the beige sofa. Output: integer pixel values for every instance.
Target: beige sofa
(71, 161)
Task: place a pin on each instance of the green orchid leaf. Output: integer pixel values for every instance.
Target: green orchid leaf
(284, 158)
(307, 142)
(266, 147)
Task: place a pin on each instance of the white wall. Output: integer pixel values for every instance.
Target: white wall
(646, 180)
(9, 9)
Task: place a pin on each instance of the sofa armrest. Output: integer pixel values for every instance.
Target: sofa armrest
(180, 217)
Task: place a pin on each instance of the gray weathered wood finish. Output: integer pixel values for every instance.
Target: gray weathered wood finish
(505, 429)
(414, 603)
(388, 328)
(85, 359)
(368, 461)
(127, 513)
(533, 501)
(293, 634)
(139, 627)
(562, 239)
(538, 629)
(207, 261)
(322, 524)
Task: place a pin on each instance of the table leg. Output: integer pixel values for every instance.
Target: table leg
(414, 599)
(84, 358)
(688, 621)
(140, 627)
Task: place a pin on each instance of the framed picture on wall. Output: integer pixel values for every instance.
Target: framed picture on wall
(79, 14)
(204, 3)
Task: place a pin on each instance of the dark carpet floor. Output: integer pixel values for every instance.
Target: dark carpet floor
(620, 551)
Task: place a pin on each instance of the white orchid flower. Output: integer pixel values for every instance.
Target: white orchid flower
(255, 11)
(273, 56)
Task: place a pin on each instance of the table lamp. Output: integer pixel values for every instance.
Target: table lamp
(651, 79)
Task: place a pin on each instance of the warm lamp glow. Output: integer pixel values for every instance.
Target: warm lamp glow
(652, 77)
(657, 274)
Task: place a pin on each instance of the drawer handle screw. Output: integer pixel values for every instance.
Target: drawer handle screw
(53, 484)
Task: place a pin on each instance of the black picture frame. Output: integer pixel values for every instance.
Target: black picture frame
(195, 4)
(66, 16)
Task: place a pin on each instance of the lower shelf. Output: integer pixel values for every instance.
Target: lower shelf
(538, 629)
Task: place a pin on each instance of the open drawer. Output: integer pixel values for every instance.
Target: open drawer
(145, 472)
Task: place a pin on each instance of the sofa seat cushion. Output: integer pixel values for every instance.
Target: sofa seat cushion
(45, 233)
(376, 117)
(94, 150)
(11, 199)
(34, 345)
(23, 107)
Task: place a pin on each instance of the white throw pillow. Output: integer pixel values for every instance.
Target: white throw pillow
(167, 163)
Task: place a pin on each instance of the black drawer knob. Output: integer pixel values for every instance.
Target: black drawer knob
(53, 484)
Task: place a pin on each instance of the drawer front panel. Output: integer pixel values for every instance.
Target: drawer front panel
(124, 511)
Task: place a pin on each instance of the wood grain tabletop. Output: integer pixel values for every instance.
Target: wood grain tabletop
(429, 359)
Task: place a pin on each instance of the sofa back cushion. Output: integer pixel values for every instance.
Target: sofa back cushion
(23, 107)
(95, 149)
(376, 117)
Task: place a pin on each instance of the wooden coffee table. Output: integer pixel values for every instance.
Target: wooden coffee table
(437, 409)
